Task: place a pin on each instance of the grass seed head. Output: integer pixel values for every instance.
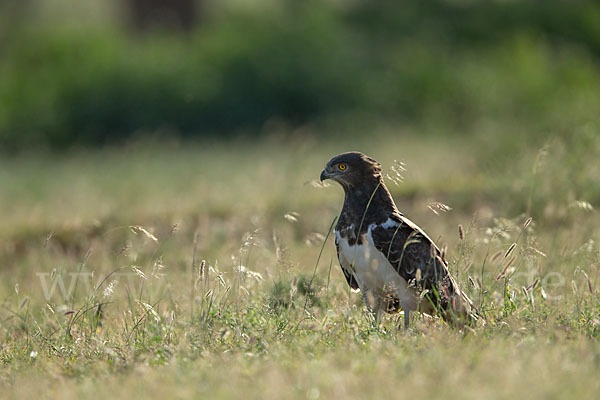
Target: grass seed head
(496, 255)
(23, 303)
(140, 229)
(472, 282)
(436, 207)
(139, 272)
(510, 249)
(534, 284)
(468, 266)
(395, 173)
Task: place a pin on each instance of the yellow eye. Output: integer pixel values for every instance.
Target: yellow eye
(342, 167)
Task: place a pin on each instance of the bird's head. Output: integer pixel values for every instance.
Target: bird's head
(352, 169)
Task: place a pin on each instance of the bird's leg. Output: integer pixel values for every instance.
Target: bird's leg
(378, 314)
(406, 318)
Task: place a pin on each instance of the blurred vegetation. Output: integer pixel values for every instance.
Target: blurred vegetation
(75, 73)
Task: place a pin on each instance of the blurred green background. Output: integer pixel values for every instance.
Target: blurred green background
(100, 71)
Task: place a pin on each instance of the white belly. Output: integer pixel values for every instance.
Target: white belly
(376, 277)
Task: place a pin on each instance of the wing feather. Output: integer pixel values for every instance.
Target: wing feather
(414, 255)
(418, 260)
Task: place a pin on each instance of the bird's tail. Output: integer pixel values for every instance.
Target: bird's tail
(459, 309)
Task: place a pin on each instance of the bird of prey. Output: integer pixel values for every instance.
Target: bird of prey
(385, 255)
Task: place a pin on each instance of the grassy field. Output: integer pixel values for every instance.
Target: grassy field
(195, 270)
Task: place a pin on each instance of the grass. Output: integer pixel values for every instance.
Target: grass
(194, 269)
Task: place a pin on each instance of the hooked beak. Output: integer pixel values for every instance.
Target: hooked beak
(324, 175)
